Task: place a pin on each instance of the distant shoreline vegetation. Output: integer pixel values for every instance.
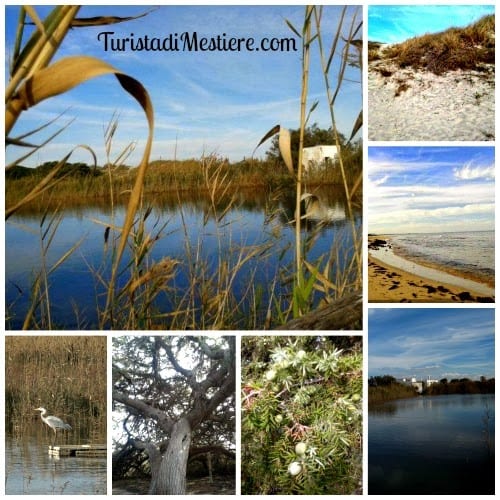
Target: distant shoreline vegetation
(387, 388)
(79, 182)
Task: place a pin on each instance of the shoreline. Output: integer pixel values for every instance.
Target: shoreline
(392, 278)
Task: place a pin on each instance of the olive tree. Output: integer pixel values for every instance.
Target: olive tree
(174, 393)
(301, 415)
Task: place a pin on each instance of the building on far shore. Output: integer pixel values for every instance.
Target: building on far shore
(316, 156)
(419, 385)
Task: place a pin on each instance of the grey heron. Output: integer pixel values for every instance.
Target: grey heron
(54, 423)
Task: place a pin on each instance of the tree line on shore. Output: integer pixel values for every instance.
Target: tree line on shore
(383, 388)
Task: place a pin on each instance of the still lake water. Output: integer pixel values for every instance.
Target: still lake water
(74, 290)
(432, 445)
(29, 470)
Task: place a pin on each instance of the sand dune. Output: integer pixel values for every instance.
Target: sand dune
(408, 104)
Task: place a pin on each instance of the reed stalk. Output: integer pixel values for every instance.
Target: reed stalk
(306, 45)
(331, 97)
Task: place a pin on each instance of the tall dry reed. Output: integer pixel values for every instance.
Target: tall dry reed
(65, 374)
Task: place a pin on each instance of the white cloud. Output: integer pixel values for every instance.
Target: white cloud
(469, 172)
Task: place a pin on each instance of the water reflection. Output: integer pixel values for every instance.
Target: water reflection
(29, 469)
(438, 444)
(184, 227)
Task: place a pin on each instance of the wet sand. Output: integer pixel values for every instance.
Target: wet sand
(391, 283)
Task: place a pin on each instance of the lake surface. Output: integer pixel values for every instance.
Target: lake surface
(432, 445)
(186, 229)
(29, 470)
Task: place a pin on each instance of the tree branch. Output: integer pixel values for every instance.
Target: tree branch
(145, 410)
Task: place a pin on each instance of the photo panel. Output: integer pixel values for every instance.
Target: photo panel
(431, 224)
(174, 415)
(431, 72)
(302, 415)
(431, 401)
(55, 415)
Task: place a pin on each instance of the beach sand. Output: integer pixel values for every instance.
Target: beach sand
(387, 283)
(413, 105)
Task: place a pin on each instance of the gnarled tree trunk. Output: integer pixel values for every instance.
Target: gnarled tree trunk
(170, 477)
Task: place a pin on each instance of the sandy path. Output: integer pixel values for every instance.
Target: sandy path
(457, 106)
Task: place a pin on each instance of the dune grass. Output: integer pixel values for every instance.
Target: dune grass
(469, 48)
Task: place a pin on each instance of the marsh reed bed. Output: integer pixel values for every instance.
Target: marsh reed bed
(65, 374)
(81, 184)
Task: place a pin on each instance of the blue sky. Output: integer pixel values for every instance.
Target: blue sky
(430, 189)
(440, 343)
(396, 23)
(222, 102)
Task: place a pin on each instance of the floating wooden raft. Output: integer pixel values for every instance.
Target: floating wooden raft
(78, 450)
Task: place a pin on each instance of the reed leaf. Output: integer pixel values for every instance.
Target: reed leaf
(105, 20)
(34, 131)
(357, 125)
(284, 142)
(41, 47)
(322, 278)
(333, 48)
(163, 271)
(312, 108)
(292, 27)
(285, 145)
(57, 79)
(36, 147)
(269, 134)
(19, 38)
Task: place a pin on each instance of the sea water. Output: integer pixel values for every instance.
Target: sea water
(470, 253)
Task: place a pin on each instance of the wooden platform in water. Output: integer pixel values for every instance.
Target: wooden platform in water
(78, 450)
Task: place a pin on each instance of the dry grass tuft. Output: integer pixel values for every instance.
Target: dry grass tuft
(469, 48)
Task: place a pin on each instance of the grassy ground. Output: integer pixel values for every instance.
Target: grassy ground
(468, 48)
